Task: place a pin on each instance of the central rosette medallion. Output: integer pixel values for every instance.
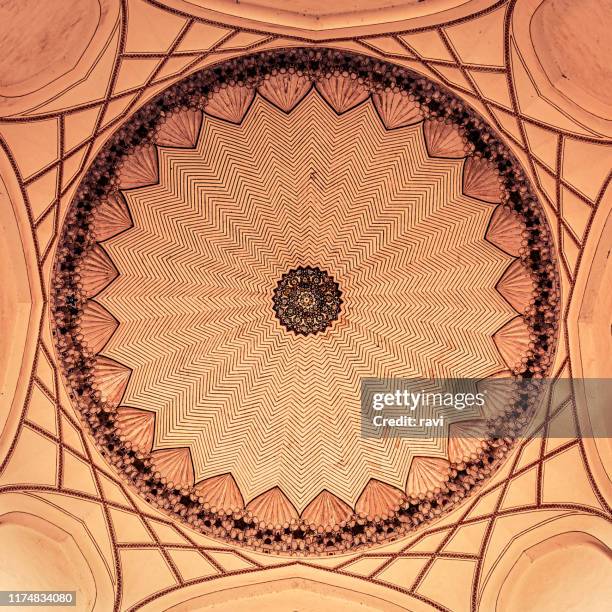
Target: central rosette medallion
(307, 300)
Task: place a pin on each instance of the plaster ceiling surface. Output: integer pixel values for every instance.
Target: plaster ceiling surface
(52, 468)
(319, 15)
(563, 68)
(80, 19)
(54, 46)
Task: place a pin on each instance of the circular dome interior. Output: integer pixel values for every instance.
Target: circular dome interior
(426, 252)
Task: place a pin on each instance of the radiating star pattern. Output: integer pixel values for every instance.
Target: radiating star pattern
(227, 218)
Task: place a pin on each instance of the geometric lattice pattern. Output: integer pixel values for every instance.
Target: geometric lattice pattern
(48, 458)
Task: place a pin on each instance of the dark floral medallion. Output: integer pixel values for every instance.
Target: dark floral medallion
(307, 300)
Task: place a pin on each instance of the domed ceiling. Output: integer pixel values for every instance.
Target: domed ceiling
(257, 241)
(223, 231)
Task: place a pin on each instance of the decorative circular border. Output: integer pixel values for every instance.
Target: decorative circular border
(68, 299)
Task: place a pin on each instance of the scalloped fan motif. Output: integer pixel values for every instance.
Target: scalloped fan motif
(221, 492)
(273, 507)
(465, 439)
(342, 93)
(512, 341)
(327, 510)
(111, 378)
(505, 231)
(285, 90)
(230, 103)
(175, 465)
(396, 110)
(97, 271)
(97, 326)
(138, 426)
(180, 129)
(443, 140)
(499, 392)
(516, 286)
(139, 169)
(481, 181)
(378, 498)
(426, 474)
(111, 218)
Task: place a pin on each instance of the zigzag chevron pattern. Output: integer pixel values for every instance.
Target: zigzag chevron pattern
(253, 199)
(398, 570)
